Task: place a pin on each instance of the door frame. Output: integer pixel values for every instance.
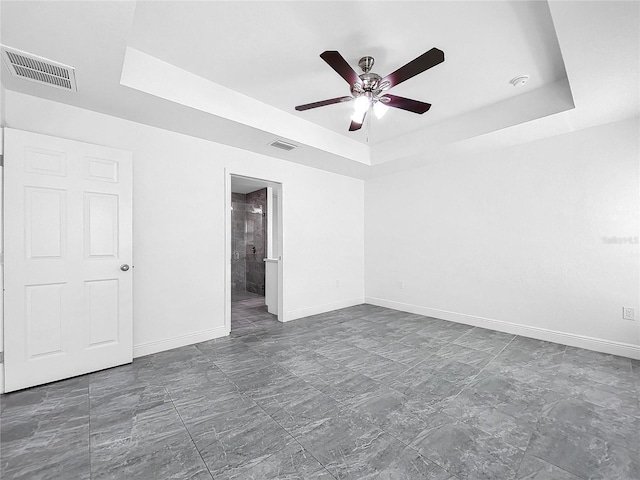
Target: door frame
(279, 188)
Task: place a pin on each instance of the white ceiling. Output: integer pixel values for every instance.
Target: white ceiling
(233, 71)
(270, 52)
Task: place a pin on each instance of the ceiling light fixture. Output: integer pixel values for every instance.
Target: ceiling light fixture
(369, 90)
(380, 109)
(361, 104)
(360, 107)
(358, 117)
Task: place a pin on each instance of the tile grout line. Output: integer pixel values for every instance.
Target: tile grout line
(406, 445)
(188, 432)
(451, 342)
(89, 399)
(378, 427)
(359, 415)
(494, 357)
(295, 440)
(410, 368)
(538, 427)
(254, 339)
(564, 351)
(271, 417)
(464, 388)
(274, 420)
(479, 372)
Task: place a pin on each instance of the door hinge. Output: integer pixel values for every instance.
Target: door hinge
(1, 160)
(1, 357)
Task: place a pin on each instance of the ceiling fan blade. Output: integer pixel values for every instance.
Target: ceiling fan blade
(406, 104)
(418, 65)
(340, 65)
(357, 126)
(322, 103)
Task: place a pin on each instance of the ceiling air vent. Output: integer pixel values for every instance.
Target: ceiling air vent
(38, 69)
(283, 145)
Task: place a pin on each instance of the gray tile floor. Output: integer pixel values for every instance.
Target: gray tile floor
(363, 392)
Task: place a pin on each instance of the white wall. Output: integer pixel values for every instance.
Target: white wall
(511, 240)
(179, 237)
(514, 239)
(2, 111)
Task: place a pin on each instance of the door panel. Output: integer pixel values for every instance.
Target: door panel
(101, 311)
(44, 319)
(101, 169)
(68, 227)
(101, 225)
(45, 222)
(45, 162)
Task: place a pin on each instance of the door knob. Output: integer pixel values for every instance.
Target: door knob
(124, 267)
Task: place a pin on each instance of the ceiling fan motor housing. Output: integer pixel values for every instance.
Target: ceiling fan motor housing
(369, 79)
(370, 82)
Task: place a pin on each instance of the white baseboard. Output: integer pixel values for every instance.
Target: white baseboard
(161, 345)
(327, 307)
(564, 338)
(189, 339)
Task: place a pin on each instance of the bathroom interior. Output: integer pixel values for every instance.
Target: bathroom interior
(248, 246)
(255, 239)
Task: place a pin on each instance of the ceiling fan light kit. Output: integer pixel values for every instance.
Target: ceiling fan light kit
(368, 90)
(379, 108)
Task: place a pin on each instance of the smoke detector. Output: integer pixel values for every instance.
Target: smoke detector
(38, 69)
(519, 80)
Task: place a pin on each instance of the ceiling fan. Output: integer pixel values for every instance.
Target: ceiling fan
(368, 90)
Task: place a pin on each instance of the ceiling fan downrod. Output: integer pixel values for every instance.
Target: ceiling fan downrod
(368, 80)
(366, 63)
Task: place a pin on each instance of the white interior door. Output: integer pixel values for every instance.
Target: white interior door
(68, 231)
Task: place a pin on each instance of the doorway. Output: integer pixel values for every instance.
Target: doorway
(254, 244)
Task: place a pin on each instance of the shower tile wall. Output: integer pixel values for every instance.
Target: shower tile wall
(248, 237)
(256, 214)
(238, 242)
